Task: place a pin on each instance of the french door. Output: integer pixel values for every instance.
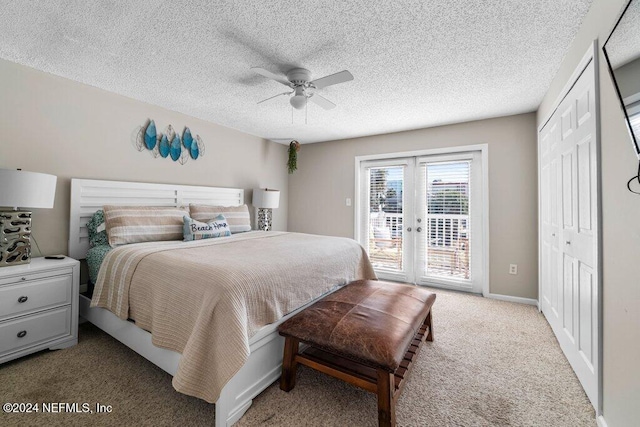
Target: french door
(421, 219)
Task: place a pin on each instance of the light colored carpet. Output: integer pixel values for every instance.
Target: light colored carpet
(492, 363)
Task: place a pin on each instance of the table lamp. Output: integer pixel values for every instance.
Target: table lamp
(265, 199)
(21, 190)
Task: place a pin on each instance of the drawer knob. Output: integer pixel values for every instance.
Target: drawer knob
(23, 299)
(22, 334)
(23, 278)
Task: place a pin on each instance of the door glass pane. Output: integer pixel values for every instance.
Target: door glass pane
(447, 230)
(385, 204)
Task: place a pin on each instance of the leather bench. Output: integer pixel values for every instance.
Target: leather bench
(368, 334)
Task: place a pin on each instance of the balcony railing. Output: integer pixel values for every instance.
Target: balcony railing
(446, 243)
(445, 230)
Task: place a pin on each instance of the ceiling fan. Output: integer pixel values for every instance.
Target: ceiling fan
(303, 88)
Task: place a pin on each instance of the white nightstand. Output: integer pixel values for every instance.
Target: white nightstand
(38, 306)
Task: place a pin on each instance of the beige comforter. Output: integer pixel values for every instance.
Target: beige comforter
(207, 298)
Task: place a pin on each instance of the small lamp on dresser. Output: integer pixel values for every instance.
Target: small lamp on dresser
(265, 200)
(21, 191)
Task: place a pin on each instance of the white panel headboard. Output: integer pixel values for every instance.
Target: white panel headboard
(89, 195)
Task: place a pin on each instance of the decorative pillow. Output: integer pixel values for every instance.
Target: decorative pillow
(237, 216)
(196, 230)
(135, 224)
(97, 230)
(95, 256)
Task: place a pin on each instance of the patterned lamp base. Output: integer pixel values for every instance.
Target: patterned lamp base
(15, 234)
(264, 219)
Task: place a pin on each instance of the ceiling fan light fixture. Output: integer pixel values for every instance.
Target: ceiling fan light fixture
(298, 101)
(299, 79)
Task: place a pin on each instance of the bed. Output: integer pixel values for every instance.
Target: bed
(252, 357)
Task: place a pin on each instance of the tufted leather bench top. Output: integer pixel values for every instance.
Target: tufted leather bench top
(372, 322)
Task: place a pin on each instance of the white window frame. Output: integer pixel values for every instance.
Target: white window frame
(484, 159)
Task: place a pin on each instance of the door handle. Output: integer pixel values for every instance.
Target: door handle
(408, 228)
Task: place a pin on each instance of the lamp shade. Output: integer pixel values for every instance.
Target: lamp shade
(22, 189)
(264, 198)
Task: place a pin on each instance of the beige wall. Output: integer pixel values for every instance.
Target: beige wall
(325, 178)
(620, 227)
(57, 126)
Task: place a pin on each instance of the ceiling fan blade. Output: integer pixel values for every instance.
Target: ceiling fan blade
(275, 96)
(268, 74)
(333, 79)
(321, 101)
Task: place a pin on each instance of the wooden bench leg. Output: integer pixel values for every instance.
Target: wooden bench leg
(430, 324)
(289, 364)
(386, 406)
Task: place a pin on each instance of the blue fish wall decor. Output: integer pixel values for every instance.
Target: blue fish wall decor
(169, 144)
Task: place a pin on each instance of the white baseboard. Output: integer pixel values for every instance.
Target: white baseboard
(520, 300)
(601, 422)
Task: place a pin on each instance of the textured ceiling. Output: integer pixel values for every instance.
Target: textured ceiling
(416, 63)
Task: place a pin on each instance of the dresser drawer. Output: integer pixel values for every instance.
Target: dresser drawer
(34, 295)
(34, 329)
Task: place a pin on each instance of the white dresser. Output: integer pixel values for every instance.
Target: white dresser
(38, 306)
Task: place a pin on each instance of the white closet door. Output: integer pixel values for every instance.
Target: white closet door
(550, 292)
(569, 220)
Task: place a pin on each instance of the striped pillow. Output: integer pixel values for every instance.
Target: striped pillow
(135, 224)
(237, 216)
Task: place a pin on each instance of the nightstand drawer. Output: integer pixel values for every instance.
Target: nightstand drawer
(29, 276)
(30, 296)
(35, 329)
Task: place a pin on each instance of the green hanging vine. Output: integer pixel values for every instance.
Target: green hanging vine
(292, 163)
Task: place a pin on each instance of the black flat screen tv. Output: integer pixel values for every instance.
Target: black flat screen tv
(622, 51)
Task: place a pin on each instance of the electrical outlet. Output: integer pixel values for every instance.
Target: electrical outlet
(513, 268)
(348, 201)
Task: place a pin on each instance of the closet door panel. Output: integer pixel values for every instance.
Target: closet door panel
(586, 313)
(568, 288)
